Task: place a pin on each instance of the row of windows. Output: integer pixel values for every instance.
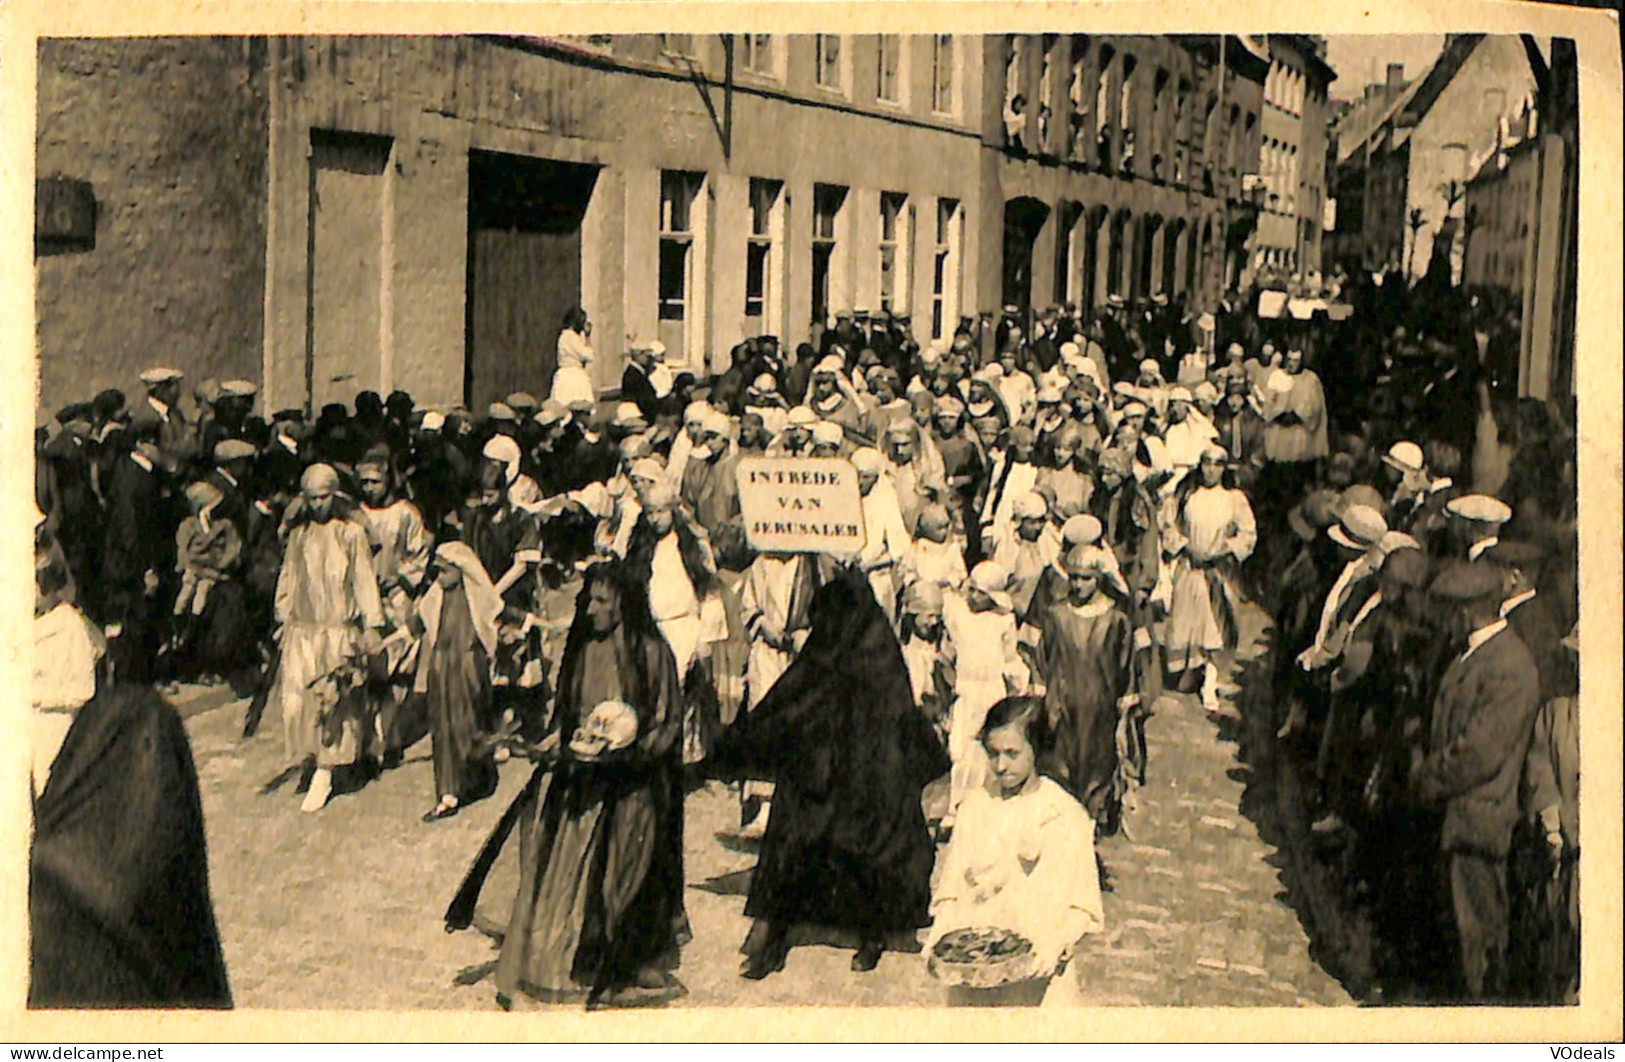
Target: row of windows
(1120, 114)
(766, 55)
(1287, 89)
(831, 252)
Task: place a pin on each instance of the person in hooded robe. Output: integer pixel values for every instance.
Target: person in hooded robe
(670, 556)
(119, 910)
(457, 617)
(596, 909)
(849, 756)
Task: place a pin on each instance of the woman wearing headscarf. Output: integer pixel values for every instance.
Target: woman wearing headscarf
(508, 542)
(597, 903)
(1086, 659)
(1212, 535)
(963, 466)
(571, 381)
(458, 619)
(329, 612)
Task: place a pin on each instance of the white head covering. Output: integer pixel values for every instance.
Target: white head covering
(433, 420)
(868, 459)
(484, 605)
(694, 412)
(827, 432)
(504, 451)
(991, 578)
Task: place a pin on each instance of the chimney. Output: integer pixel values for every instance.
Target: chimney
(1396, 79)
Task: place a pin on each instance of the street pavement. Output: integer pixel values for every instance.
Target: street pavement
(343, 909)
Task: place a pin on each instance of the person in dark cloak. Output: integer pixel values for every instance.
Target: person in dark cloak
(118, 902)
(599, 904)
(848, 753)
(137, 549)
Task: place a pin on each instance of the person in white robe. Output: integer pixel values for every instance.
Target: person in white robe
(1187, 435)
(1294, 413)
(68, 648)
(572, 381)
(988, 668)
(886, 539)
(1214, 532)
(329, 614)
(936, 555)
(1021, 859)
(1027, 547)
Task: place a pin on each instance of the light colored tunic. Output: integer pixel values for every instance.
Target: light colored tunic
(1303, 396)
(1026, 864)
(326, 595)
(1216, 522)
(987, 669)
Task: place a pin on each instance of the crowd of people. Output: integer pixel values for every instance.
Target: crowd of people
(1067, 517)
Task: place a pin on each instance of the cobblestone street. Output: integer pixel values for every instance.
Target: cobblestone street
(343, 909)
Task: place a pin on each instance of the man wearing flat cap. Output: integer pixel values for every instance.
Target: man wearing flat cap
(177, 442)
(1483, 719)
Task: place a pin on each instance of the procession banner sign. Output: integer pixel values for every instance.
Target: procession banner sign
(801, 505)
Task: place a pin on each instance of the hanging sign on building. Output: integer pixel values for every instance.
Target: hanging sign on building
(64, 216)
(801, 505)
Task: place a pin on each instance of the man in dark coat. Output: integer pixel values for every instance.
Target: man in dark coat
(849, 755)
(118, 902)
(1483, 719)
(137, 551)
(636, 386)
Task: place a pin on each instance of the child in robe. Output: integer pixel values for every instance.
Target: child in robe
(929, 653)
(935, 556)
(457, 617)
(989, 667)
(1022, 859)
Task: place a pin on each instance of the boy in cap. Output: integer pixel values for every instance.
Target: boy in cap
(206, 547)
(176, 439)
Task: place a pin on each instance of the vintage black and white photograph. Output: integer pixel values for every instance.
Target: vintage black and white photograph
(676, 520)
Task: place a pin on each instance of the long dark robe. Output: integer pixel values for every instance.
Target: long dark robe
(1088, 666)
(458, 695)
(600, 853)
(849, 755)
(118, 905)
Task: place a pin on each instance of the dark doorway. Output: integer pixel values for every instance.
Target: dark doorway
(524, 269)
(1023, 218)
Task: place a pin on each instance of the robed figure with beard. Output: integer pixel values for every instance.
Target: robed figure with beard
(595, 897)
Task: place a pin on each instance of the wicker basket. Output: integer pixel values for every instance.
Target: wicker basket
(995, 957)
